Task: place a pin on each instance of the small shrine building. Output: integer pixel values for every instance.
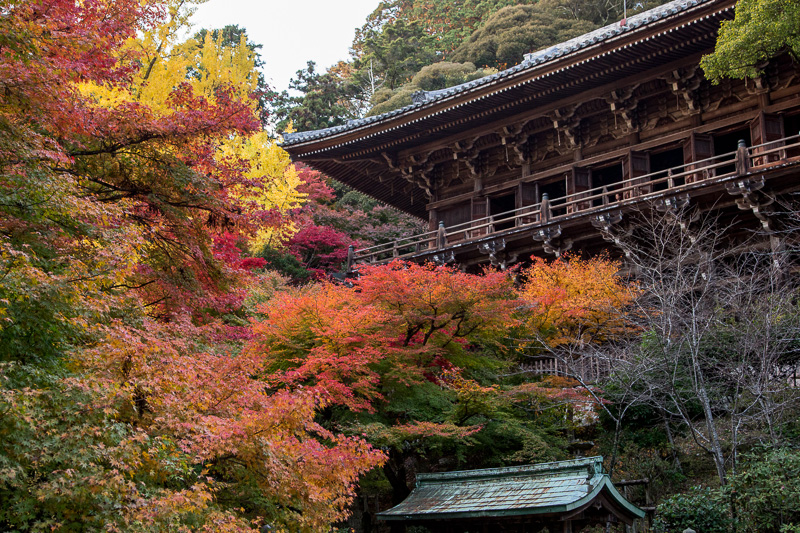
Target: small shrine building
(564, 497)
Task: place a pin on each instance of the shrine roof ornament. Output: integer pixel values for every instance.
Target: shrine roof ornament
(563, 488)
(532, 61)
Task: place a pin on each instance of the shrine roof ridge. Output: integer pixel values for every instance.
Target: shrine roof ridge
(588, 466)
(532, 60)
(557, 488)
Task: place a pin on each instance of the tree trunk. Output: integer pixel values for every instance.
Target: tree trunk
(713, 436)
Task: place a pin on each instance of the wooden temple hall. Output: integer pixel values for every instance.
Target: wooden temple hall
(550, 154)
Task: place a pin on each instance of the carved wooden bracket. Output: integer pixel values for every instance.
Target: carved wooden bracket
(551, 241)
(606, 223)
(474, 163)
(390, 160)
(514, 136)
(677, 207)
(445, 179)
(753, 198)
(684, 83)
(566, 125)
(787, 76)
(468, 152)
(761, 84)
(625, 106)
(444, 258)
(417, 170)
(498, 256)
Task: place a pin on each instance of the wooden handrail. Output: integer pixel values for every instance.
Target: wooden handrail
(701, 170)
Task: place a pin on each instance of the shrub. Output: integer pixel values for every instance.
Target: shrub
(702, 509)
(766, 491)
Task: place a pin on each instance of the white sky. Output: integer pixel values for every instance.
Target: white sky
(292, 32)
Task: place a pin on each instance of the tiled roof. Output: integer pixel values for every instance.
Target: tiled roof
(533, 489)
(532, 61)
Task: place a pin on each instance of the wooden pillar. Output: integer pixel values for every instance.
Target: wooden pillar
(480, 210)
(767, 128)
(742, 158)
(697, 148)
(578, 181)
(636, 165)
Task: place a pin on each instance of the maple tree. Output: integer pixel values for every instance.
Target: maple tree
(154, 377)
(409, 358)
(129, 195)
(332, 218)
(573, 300)
(413, 317)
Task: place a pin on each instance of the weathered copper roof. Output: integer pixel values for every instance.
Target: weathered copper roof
(547, 488)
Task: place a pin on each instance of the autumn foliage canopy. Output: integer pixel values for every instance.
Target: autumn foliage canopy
(133, 175)
(153, 376)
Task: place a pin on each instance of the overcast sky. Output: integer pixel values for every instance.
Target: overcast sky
(291, 31)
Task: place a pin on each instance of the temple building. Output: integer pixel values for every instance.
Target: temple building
(564, 496)
(554, 153)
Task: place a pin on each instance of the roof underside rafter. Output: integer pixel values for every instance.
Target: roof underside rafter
(390, 156)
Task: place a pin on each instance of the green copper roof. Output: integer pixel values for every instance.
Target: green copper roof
(547, 488)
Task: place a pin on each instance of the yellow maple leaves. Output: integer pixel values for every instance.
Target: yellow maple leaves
(275, 184)
(206, 65)
(576, 301)
(268, 181)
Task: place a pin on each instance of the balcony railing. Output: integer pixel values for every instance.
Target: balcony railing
(696, 174)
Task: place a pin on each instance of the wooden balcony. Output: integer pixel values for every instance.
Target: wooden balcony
(554, 226)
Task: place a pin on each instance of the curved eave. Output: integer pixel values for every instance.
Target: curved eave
(389, 189)
(389, 124)
(627, 511)
(625, 506)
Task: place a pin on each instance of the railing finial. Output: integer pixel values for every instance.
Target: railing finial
(742, 158)
(441, 236)
(545, 212)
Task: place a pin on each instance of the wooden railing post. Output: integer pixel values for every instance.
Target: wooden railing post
(441, 236)
(351, 255)
(742, 158)
(545, 211)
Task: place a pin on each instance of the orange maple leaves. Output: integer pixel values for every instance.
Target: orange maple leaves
(401, 317)
(570, 300)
